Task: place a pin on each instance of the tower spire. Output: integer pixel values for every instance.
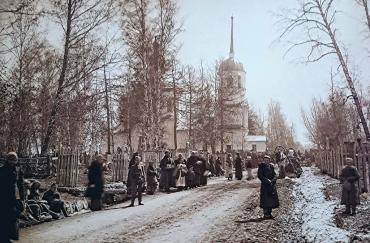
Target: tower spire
(231, 54)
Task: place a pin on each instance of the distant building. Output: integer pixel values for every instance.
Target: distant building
(235, 122)
(256, 143)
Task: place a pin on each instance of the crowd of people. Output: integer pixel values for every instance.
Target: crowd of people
(179, 173)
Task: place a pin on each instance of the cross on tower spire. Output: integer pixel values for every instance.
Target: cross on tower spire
(231, 54)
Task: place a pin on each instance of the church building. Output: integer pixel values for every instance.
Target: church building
(232, 115)
(232, 98)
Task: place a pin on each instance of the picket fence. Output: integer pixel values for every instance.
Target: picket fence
(332, 161)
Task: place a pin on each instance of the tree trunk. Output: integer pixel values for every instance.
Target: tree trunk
(346, 74)
(108, 112)
(366, 8)
(58, 97)
(174, 113)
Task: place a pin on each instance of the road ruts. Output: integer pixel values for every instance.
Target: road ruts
(182, 216)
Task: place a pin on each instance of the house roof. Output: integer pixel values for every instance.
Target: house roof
(259, 138)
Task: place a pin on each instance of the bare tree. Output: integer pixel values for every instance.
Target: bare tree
(316, 19)
(150, 29)
(255, 122)
(279, 132)
(78, 19)
(365, 5)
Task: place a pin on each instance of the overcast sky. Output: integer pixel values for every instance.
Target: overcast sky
(270, 75)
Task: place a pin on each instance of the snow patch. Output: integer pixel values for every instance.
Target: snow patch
(317, 212)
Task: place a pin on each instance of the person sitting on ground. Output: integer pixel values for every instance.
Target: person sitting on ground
(54, 201)
(350, 194)
(39, 208)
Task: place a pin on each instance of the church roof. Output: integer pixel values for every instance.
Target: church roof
(231, 64)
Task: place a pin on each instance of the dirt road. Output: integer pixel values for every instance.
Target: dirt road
(186, 216)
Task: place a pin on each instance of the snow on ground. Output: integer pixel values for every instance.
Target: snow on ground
(317, 213)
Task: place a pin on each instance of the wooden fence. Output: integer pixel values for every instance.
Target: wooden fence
(332, 161)
(67, 168)
(120, 167)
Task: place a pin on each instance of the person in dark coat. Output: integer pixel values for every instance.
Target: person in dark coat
(167, 168)
(131, 163)
(95, 186)
(54, 201)
(218, 167)
(37, 206)
(190, 177)
(198, 165)
(10, 206)
(350, 193)
(268, 196)
(151, 177)
(202, 168)
(136, 181)
(238, 167)
(212, 167)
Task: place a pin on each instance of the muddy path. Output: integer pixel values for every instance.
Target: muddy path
(186, 216)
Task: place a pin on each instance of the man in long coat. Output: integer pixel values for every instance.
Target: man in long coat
(238, 167)
(350, 194)
(268, 196)
(10, 208)
(167, 168)
(136, 182)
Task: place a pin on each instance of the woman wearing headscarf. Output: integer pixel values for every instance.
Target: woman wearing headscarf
(180, 172)
(95, 186)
